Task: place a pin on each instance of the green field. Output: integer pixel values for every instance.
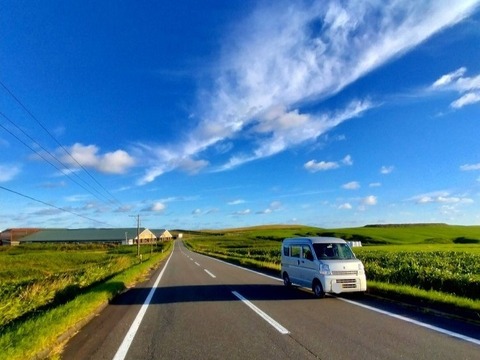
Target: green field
(437, 264)
(47, 289)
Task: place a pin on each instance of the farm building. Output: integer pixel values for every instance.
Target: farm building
(126, 236)
(163, 235)
(13, 236)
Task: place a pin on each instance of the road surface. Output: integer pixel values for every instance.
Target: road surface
(196, 307)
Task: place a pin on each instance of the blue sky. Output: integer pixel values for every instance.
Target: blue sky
(217, 114)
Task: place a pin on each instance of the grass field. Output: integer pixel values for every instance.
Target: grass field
(46, 290)
(437, 263)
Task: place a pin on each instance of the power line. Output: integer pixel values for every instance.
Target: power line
(56, 207)
(51, 155)
(57, 142)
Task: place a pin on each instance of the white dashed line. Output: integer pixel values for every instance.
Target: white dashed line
(209, 273)
(262, 314)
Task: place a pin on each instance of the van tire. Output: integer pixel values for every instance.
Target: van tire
(318, 289)
(286, 280)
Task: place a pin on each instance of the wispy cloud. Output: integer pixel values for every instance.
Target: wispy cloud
(352, 185)
(470, 167)
(441, 197)
(8, 172)
(314, 166)
(236, 202)
(467, 87)
(287, 55)
(385, 170)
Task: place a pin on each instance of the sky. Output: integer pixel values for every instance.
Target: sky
(218, 114)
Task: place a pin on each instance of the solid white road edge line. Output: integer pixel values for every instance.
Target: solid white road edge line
(209, 273)
(267, 318)
(127, 341)
(428, 326)
(416, 322)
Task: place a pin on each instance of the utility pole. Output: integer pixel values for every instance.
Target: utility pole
(138, 234)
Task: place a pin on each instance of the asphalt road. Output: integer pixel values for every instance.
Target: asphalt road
(201, 308)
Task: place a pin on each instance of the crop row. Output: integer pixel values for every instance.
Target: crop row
(457, 273)
(453, 272)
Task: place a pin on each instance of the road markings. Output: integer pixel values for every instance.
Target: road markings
(127, 341)
(262, 314)
(209, 273)
(416, 322)
(197, 263)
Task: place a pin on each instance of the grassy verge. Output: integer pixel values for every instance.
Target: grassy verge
(430, 300)
(36, 336)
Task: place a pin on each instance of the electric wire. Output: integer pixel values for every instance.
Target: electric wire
(51, 205)
(47, 160)
(56, 141)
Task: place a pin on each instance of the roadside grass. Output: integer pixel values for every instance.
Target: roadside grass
(410, 266)
(35, 334)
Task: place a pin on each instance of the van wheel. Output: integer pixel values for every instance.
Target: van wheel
(318, 289)
(286, 279)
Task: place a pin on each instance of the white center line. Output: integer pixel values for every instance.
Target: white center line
(209, 273)
(197, 263)
(262, 314)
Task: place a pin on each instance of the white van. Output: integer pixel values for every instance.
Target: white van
(324, 264)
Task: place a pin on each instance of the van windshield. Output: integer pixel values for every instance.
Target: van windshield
(333, 251)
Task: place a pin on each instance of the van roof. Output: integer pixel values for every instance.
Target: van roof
(317, 239)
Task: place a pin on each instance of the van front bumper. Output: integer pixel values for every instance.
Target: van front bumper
(341, 285)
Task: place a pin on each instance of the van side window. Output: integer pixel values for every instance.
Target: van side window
(295, 251)
(286, 251)
(307, 252)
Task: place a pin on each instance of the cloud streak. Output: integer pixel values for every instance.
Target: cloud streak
(293, 55)
(467, 87)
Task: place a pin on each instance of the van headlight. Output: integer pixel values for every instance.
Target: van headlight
(325, 269)
(360, 268)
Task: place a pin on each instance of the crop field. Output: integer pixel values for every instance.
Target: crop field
(433, 258)
(36, 277)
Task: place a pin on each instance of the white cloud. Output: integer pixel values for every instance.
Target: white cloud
(236, 202)
(440, 197)
(242, 212)
(314, 166)
(467, 99)
(470, 167)
(353, 185)
(448, 78)
(385, 170)
(157, 207)
(468, 87)
(345, 206)
(370, 200)
(274, 206)
(347, 160)
(8, 172)
(278, 60)
(375, 184)
(117, 162)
